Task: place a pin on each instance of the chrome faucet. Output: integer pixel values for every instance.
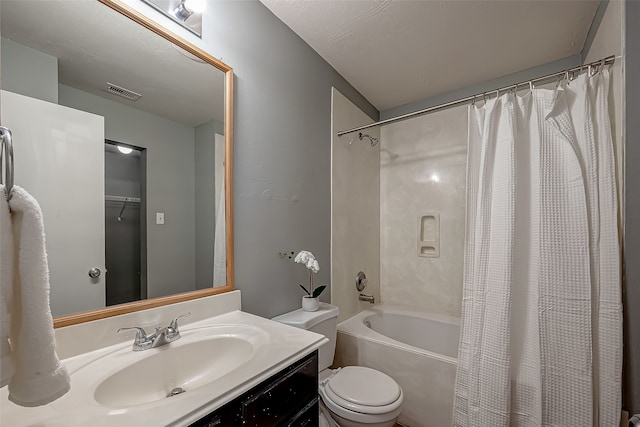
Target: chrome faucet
(368, 298)
(159, 338)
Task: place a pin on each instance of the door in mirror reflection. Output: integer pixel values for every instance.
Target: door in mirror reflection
(60, 161)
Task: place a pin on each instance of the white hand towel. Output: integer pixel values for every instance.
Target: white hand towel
(39, 376)
(6, 283)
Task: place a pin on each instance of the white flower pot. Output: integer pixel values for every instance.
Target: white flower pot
(310, 304)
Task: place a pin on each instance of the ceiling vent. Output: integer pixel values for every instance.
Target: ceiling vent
(120, 91)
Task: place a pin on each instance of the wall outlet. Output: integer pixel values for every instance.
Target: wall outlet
(160, 218)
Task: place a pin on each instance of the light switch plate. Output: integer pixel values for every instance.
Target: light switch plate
(160, 218)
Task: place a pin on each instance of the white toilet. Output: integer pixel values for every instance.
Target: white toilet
(353, 396)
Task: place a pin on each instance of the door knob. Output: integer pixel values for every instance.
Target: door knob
(94, 272)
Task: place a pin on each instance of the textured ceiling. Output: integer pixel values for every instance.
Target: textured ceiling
(95, 45)
(397, 52)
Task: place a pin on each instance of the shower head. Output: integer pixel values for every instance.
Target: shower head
(372, 140)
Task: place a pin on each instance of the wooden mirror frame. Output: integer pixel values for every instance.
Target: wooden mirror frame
(116, 310)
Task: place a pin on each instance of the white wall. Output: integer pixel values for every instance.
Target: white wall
(422, 171)
(355, 208)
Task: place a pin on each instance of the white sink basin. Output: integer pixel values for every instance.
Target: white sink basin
(199, 357)
(126, 395)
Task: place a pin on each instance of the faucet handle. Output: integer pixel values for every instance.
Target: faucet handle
(174, 323)
(140, 335)
(171, 332)
(141, 342)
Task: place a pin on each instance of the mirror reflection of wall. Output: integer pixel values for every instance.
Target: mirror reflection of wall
(177, 124)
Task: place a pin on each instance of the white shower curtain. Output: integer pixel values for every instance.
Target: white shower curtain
(541, 341)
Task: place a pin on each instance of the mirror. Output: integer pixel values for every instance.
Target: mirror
(123, 133)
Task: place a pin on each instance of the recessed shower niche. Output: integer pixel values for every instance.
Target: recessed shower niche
(429, 235)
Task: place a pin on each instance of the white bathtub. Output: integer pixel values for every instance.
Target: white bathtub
(418, 350)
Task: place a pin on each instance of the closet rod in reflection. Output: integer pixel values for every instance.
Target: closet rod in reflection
(122, 199)
(597, 65)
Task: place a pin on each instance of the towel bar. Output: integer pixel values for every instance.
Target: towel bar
(6, 159)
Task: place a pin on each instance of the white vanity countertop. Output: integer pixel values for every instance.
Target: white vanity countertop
(283, 345)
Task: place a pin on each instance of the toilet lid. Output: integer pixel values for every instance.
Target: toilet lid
(360, 386)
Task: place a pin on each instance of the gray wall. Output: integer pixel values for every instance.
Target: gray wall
(29, 72)
(282, 148)
(169, 186)
(632, 211)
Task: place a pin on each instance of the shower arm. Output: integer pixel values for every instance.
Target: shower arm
(372, 140)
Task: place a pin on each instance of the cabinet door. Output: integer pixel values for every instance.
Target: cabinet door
(307, 417)
(282, 399)
(287, 399)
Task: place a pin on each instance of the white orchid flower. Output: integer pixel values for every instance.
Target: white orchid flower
(313, 265)
(303, 257)
(307, 258)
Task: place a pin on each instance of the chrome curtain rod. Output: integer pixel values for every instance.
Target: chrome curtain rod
(601, 63)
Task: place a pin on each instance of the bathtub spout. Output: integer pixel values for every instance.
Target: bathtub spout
(368, 298)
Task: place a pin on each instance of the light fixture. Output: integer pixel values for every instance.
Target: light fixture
(124, 150)
(186, 8)
(187, 13)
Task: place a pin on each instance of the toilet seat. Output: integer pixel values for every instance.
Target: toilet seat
(362, 394)
(358, 416)
(363, 390)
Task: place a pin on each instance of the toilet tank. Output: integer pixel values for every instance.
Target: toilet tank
(322, 321)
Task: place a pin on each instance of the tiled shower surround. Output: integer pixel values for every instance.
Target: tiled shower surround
(422, 172)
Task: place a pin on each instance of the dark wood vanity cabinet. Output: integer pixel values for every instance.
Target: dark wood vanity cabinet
(288, 399)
